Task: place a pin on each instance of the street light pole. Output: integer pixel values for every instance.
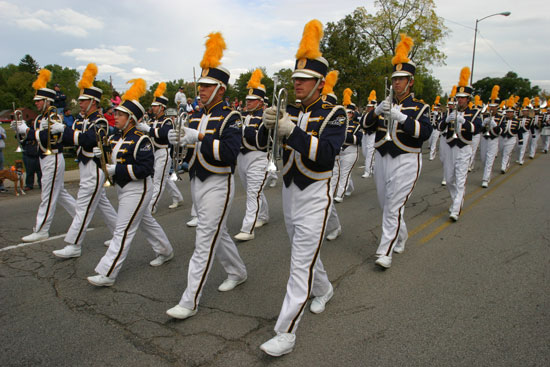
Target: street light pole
(505, 13)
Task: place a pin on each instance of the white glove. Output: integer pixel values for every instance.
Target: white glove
(142, 126)
(460, 119)
(451, 116)
(383, 107)
(397, 115)
(191, 135)
(20, 128)
(269, 117)
(97, 152)
(44, 125)
(172, 136)
(57, 128)
(286, 127)
(111, 168)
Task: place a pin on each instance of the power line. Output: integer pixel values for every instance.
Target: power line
(495, 51)
(462, 25)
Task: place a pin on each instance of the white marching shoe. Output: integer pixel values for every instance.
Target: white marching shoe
(260, 223)
(68, 252)
(338, 199)
(179, 312)
(101, 280)
(399, 248)
(107, 243)
(36, 236)
(332, 235)
(161, 259)
(443, 182)
(243, 236)
(175, 204)
(230, 284)
(318, 303)
(193, 222)
(365, 175)
(485, 184)
(453, 217)
(280, 344)
(384, 261)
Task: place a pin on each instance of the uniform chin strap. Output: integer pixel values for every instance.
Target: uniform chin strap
(312, 90)
(127, 122)
(213, 94)
(88, 108)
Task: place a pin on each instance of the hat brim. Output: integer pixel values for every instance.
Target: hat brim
(306, 74)
(207, 80)
(463, 95)
(400, 73)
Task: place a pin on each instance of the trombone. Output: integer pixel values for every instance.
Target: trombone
(273, 138)
(52, 117)
(179, 153)
(388, 121)
(102, 139)
(18, 117)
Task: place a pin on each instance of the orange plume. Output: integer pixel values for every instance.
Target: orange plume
(464, 77)
(347, 97)
(309, 45)
(402, 50)
(537, 101)
(372, 95)
(526, 102)
(88, 76)
(494, 92)
(137, 89)
(43, 78)
(215, 45)
(437, 99)
(160, 89)
(453, 91)
(330, 81)
(255, 79)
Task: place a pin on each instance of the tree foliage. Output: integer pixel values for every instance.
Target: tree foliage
(509, 84)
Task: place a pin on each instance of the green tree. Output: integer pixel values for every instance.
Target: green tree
(67, 79)
(29, 65)
(509, 84)
(284, 81)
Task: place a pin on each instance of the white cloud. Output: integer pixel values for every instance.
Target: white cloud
(115, 55)
(152, 49)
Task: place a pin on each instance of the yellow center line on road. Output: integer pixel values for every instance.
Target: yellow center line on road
(472, 204)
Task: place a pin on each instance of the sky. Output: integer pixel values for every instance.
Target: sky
(161, 40)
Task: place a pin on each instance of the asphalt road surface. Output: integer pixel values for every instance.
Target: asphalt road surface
(471, 293)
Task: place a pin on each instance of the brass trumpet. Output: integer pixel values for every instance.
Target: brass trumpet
(102, 139)
(388, 121)
(179, 153)
(18, 117)
(273, 138)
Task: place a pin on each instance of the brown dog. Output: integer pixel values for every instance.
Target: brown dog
(15, 174)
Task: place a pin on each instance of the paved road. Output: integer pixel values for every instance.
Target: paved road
(471, 293)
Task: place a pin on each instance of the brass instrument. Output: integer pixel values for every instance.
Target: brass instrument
(388, 121)
(488, 127)
(273, 138)
(102, 138)
(18, 117)
(179, 153)
(52, 117)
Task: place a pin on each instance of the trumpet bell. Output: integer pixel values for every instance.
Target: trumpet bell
(48, 152)
(18, 150)
(107, 184)
(174, 176)
(272, 167)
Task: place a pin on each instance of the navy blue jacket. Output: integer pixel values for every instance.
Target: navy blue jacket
(135, 160)
(83, 135)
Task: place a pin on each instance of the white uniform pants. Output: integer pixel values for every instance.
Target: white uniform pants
(252, 171)
(434, 138)
(475, 144)
(133, 212)
(367, 146)
(488, 151)
(523, 148)
(442, 143)
(534, 142)
(212, 198)
(161, 179)
(395, 179)
(91, 195)
(53, 191)
(306, 213)
(348, 158)
(545, 142)
(507, 145)
(333, 222)
(455, 170)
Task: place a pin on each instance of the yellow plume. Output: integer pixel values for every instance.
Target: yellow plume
(160, 89)
(537, 101)
(510, 102)
(516, 99)
(402, 50)
(477, 100)
(309, 45)
(215, 45)
(437, 99)
(501, 105)
(137, 89)
(43, 78)
(526, 102)
(372, 95)
(464, 77)
(88, 76)
(494, 92)
(470, 104)
(347, 97)
(255, 79)
(453, 91)
(330, 82)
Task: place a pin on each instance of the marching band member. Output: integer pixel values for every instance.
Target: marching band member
(350, 151)
(215, 134)
(89, 130)
(312, 137)
(544, 131)
(451, 106)
(435, 115)
(252, 161)
(131, 166)
(367, 142)
(476, 137)
(510, 134)
(158, 132)
(536, 127)
(461, 124)
(52, 163)
(525, 127)
(491, 132)
(398, 161)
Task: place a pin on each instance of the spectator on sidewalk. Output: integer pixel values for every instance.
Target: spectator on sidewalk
(180, 97)
(68, 119)
(32, 164)
(60, 99)
(2, 146)
(110, 117)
